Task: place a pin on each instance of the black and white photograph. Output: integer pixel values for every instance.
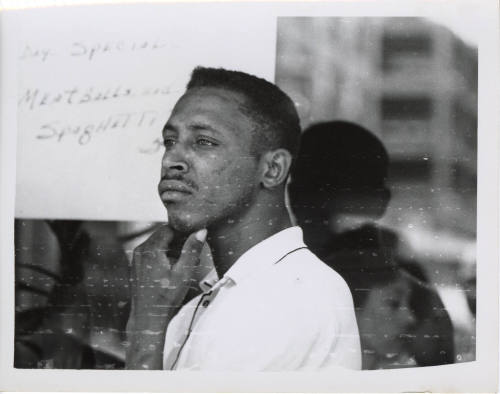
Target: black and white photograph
(197, 194)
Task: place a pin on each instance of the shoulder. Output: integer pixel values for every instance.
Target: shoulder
(305, 271)
(316, 295)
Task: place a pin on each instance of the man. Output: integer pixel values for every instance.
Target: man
(269, 304)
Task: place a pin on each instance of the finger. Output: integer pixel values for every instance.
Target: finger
(153, 249)
(190, 254)
(162, 237)
(158, 241)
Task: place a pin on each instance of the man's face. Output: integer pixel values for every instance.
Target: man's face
(208, 175)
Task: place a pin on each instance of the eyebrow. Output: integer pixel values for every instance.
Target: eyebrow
(203, 126)
(197, 126)
(168, 127)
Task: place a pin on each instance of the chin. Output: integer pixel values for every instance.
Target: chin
(185, 223)
(391, 347)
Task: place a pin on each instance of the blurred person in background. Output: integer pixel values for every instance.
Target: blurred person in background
(77, 320)
(431, 341)
(337, 193)
(382, 294)
(338, 187)
(44, 334)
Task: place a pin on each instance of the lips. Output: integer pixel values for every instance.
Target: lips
(174, 185)
(173, 189)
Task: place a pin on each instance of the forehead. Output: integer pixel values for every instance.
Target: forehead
(223, 108)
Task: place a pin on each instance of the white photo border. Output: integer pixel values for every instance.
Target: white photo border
(480, 375)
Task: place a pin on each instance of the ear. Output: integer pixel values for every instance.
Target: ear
(384, 197)
(276, 166)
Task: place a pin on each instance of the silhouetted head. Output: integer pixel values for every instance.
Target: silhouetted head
(341, 168)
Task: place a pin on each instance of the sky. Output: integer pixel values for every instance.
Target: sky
(462, 26)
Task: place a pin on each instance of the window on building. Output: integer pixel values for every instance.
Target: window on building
(405, 50)
(464, 179)
(406, 108)
(416, 170)
(465, 124)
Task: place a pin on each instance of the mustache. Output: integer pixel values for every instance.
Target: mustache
(180, 178)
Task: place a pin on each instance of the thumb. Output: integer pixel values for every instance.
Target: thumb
(190, 254)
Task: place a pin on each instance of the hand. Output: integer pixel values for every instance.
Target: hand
(162, 273)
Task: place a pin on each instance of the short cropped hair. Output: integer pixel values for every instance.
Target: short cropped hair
(272, 111)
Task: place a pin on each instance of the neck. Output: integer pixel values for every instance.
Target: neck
(316, 229)
(232, 239)
(320, 227)
(370, 361)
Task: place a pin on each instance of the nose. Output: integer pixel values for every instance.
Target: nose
(175, 161)
(408, 316)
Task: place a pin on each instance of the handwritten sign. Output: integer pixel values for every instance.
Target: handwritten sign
(96, 84)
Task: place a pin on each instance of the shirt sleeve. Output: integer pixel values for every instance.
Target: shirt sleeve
(325, 333)
(345, 348)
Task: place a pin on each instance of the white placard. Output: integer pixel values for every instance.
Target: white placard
(94, 91)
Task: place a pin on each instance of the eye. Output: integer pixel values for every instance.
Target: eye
(203, 141)
(169, 142)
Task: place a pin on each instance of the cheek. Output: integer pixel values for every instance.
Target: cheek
(378, 318)
(229, 177)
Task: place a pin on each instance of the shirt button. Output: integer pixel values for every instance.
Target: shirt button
(205, 303)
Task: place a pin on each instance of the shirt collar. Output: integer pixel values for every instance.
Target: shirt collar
(258, 257)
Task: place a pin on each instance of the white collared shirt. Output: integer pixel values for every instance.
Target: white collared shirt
(278, 308)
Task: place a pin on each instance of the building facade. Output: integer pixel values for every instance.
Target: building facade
(414, 84)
